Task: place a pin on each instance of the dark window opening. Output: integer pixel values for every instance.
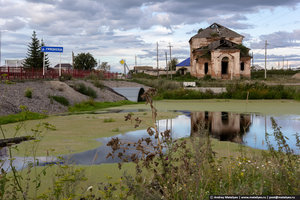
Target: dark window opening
(206, 115)
(242, 66)
(225, 119)
(225, 65)
(205, 68)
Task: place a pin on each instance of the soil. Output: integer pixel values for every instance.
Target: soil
(296, 76)
(12, 95)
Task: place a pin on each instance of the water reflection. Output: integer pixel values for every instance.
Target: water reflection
(222, 125)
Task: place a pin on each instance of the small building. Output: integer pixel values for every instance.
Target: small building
(14, 63)
(218, 52)
(142, 69)
(64, 66)
(184, 67)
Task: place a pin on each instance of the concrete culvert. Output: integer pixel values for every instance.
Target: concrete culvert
(131, 93)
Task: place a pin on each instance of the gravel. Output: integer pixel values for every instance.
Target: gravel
(12, 96)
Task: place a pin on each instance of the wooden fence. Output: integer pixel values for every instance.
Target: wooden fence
(20, 73)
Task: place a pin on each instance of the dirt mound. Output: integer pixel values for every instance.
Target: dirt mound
(12, 96)
(103, 94)
(296, 76)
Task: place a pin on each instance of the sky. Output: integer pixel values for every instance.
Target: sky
(112, 30)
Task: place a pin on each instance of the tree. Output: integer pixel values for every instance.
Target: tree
(84, 61)
(34, 54)
(172, 64)
(104, 66)
(47, 63)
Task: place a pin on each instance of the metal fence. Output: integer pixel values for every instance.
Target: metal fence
(20, 73)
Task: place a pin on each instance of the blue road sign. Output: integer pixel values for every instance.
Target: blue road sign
(53, 49)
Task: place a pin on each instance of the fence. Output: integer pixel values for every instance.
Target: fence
(20, 73)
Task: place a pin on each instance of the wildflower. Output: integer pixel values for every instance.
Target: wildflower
(219, 169)
(242, 173)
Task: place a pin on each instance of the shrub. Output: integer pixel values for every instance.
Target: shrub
(65, 77)
(81, 87)
(60, 99)
(98, 84)
(28, 93)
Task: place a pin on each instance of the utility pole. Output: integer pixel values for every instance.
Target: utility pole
(252, 59)
(170, 48)
(167, 64)
(283, 63)
(0, 47)
(266, 43)
(135, 60)
(287, 64)
(157, 59)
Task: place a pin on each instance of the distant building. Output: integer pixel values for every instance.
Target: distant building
(64, 66)
(184, 67)
(142, 69)
(14, 63)
(218, 51)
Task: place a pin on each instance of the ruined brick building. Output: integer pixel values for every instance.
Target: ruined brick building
(218, 51)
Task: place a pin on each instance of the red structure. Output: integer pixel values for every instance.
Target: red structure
(20, 73)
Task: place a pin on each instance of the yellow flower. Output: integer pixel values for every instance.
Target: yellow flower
(242, 174)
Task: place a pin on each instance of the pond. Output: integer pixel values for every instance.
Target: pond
(248, 129)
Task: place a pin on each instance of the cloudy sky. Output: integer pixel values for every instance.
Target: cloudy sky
(112, 30)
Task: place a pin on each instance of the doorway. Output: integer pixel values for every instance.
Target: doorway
(225, 62)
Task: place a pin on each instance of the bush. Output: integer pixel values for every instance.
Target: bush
(98, 84)
(60, 99)
(80, 87)
(28, 93)
(65, 77)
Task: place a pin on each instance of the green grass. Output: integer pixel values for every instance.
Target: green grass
(108, 120)
(22, 116)
(92, 105)
(60, 99)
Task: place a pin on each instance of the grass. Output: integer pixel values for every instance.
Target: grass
(60, 99)
(92, 105)
(236, 91)
(22, 116)
(109, 120)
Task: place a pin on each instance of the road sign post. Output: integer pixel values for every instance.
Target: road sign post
(54, 50)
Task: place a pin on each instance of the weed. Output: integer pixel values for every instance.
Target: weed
(65, 77)
(28, 93)
(60, 99)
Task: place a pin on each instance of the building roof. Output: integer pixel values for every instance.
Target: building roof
(64, 65)
(216, 30)
(185, 63)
